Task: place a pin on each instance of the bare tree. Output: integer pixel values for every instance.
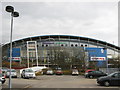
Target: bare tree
(67, 57)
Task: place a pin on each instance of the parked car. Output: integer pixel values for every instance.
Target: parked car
(50, 72)
(59, 71)
(75, 72)
(0, 85)
(2, 77)
(87, 71)
(95, 74)
(28, 73)
(111, 79)
(13, 73)
(4, 69)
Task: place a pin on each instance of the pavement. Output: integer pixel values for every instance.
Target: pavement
(55, 81)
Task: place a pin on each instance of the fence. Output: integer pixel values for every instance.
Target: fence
(109, 70)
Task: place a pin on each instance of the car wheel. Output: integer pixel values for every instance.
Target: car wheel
(21, 76)
(24, 76)
(106, 83)
(85, 76)
(3, 82)
(90, 77)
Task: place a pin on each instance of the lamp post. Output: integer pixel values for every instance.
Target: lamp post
(10, 9)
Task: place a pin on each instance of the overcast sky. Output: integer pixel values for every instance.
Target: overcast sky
(97, 20)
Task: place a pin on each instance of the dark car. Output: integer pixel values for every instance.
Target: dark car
(111, 79)
(87, 71)
(95, 74)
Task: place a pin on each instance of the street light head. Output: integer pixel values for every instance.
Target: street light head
(15, 14)
(9, 9)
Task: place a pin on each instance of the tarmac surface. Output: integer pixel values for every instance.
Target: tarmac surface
(55, 81)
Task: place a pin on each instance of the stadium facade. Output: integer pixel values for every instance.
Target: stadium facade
(52, 50)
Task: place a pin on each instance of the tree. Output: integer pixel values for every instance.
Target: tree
(67, 58)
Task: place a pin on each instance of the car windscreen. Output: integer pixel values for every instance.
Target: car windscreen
(111, 74)
(99, 72)
(59, 70)
(50, 70)
(28, 70)
(75, 70)
(12, 70)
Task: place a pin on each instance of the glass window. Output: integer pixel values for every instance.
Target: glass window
(61, 44)
(115, 75)
(76, 45)
(0, 74)
(99, 72)
(81, 45)
(119, 75)
(85, 45)
(71, 45)
(28, 70)
(12, 70)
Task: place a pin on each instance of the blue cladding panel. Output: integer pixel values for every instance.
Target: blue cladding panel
(15, 52)
(97, 53)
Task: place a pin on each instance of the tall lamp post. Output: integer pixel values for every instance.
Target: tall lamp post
(10, 9)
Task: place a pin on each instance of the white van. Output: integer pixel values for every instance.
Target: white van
(28, 73)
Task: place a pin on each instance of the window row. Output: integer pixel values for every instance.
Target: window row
(72, 45)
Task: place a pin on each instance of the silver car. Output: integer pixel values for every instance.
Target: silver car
(13, 73)
(2, 78)
(28, 73)
(49, 72)
(75, 72)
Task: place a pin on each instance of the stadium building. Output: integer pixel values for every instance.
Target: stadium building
(66, 50)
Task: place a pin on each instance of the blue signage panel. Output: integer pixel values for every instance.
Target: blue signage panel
(15, 54)
(97, 54)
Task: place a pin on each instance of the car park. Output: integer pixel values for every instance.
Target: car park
(50, 72)
(13, 73)
(111, 79)
(95, 74)
(87, 71)
(75, 72)
(28, 73)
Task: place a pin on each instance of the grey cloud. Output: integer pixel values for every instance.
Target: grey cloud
(83, 19)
